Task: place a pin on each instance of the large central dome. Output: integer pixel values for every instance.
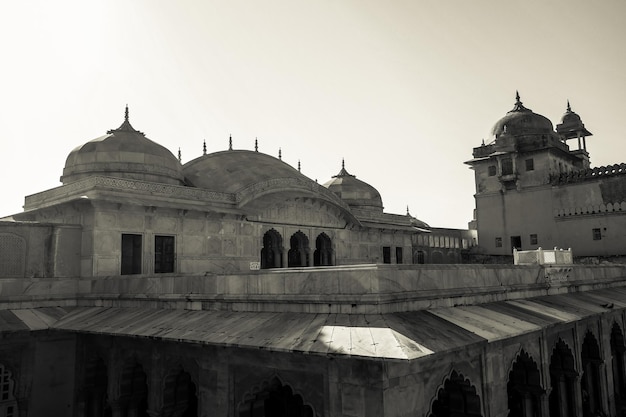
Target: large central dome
(123, 153)
(522, 121)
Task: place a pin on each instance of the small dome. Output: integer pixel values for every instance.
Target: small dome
(571, 125)
(123, 153)
(354, 192)
(522, 121)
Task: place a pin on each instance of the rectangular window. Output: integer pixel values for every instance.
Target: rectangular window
(516, 242)
(386, 254)
(530, 165)
(507, 166)
(533, 239)
(491, 170)
(164, 254)
(597, 234)
(498, 242)
(131, 254)
(398, 255)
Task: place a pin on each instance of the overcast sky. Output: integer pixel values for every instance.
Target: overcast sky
(403, 90)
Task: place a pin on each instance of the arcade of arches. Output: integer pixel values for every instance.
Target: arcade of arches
(274, 254)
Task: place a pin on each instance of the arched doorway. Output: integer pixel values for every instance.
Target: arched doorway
(457, 398)
(133, 399)
(323, 255)
(591, 383)
(179, 396)
(8, 403)
(618, 349)
(95, 389)
(272, 252)
(299, 250)
(524, 387)
(563, 381)
(276, 400)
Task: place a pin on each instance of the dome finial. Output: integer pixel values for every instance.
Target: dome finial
(256, 144)
(280, 154)
(230, 142)
(569, 108)
(126, 114)
(407, 210)
(343, 172)
(180, 157)
(204, 147)
(519, 106)
(299, 165)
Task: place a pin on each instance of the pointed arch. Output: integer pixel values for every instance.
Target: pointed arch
(180, 395)
(274, 398)
(562, 400)
(8, 402)
(133, 390)
(323, 255)
(524, 387)
(618, 349)
(95, 388)
(272, 252)
(299, 250)
(591, 381)
(457, 397)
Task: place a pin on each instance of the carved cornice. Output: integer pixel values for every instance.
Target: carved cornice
(62, 193)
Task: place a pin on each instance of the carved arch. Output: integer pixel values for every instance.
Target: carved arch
(180, 393)
(524, 390)
(618, 365)
(267, 393)
(563, 378)
(457, 397)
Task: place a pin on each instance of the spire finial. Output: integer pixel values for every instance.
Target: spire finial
(230, 142)
(204, 147)
(517, 97)
(280, 154)
(343, 163)
(180, 156)
(299, 165)
(569, 108)
(256, 144)
(126, 113)
(407, 210)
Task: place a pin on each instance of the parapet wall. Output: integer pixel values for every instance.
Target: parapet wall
(357, 289)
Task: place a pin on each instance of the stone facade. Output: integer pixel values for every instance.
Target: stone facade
(533, 191)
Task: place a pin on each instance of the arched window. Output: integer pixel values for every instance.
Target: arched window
(299, 253)
(563, 381)
(419, 257)
(591, 382)
(457, 398)
(272, 252)
(133, 399)
(323, 255)
(8, 403)
(524, 387)
(618, 349)
(276, 400)
(179, 396)
(95, 389)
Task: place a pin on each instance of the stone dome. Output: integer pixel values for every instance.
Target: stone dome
(123, 153)
(571, 125)
(522, 121)
(233, 170)
(355, 192)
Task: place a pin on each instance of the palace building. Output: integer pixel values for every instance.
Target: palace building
(533, 190)
(234, 285)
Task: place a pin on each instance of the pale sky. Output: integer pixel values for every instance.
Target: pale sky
(403, 90)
